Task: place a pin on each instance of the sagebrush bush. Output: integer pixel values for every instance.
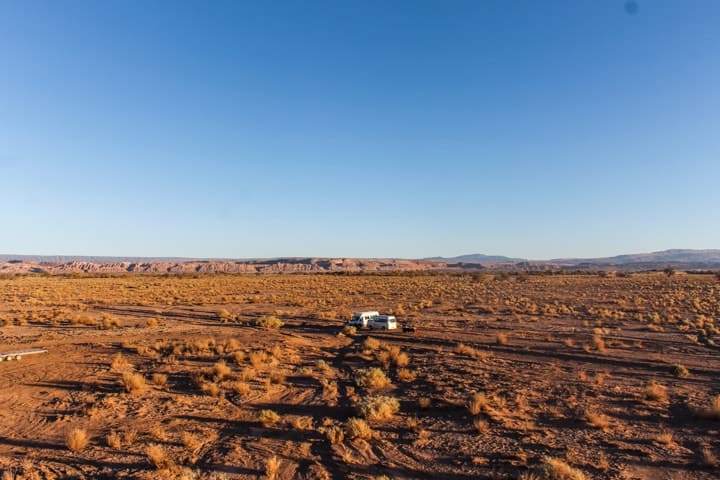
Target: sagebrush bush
(371, 378)
(133, 382)
(378, 407)
(268, 417)
(358, 428)
(76, 439)
(268, 322)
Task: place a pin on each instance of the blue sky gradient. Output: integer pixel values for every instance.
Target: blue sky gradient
(359, 128)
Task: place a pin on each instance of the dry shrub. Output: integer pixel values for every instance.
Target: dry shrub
(349, 330)
(599, 343)
(478, 403)
(76, 439)
(680, 371)
(302, 423)
(268, 417)
(158, 433)
(335, 434)
(665, 438)
(210, 388)
(119, 363)
(405, 375)
(191, 442)
(402, 359)
(258, 358)
(597, 419)
(556, 469)
(323, 366)
(358, 428)
(277, 377)
(133, 382)
(268, 322)
(501, 339)
(238, 357)
(220, 371)
(481, 425)
(709, 459)
(378, 407)
(129, 437)
(371, 378)
(371, 343)
(241, 388)
(272, 467)
(463, 349)
(655, 392)
(425, 403)
(152, 322)
(113, 440)
(247, 374)
(157, 456)
(159, 379)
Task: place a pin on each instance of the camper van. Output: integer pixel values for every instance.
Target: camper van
(362, 319)
(384, 322)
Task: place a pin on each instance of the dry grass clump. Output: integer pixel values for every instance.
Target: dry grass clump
(655, 392)
(371, 378)
(191, 442)
(478, 403)
(272, 467)
(501, 339)
(406, 375)
(159, 379)
(157, 456)
(133, 382)
(358, 428)
(681, 371)
(221, 371)
(302, 423)
(76, 439)
(238, 357)
(247, 374)
(469, 351)
(709, 459)
(378, 407)
(665, 438)
(241, 388)
(424, 403)
(268, 322)
(120, 363)
(556, 469)
(597, 419)
(599, 343)
(349, 330)
(210, 388)
(113, 440)
(268, 417)
(371, 343)
(334, 434)
(258, 358)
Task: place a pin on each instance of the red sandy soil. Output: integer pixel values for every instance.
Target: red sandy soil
(584, 369)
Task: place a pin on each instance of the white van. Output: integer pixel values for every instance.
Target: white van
(384, 322)
(362, 319)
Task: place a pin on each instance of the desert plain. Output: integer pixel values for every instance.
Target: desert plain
(506, 376)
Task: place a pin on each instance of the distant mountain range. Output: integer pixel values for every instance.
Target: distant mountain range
(478, 258)
(679, 259)
(670, 256)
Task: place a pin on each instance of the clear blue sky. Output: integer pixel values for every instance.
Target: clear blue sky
(360, 128)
